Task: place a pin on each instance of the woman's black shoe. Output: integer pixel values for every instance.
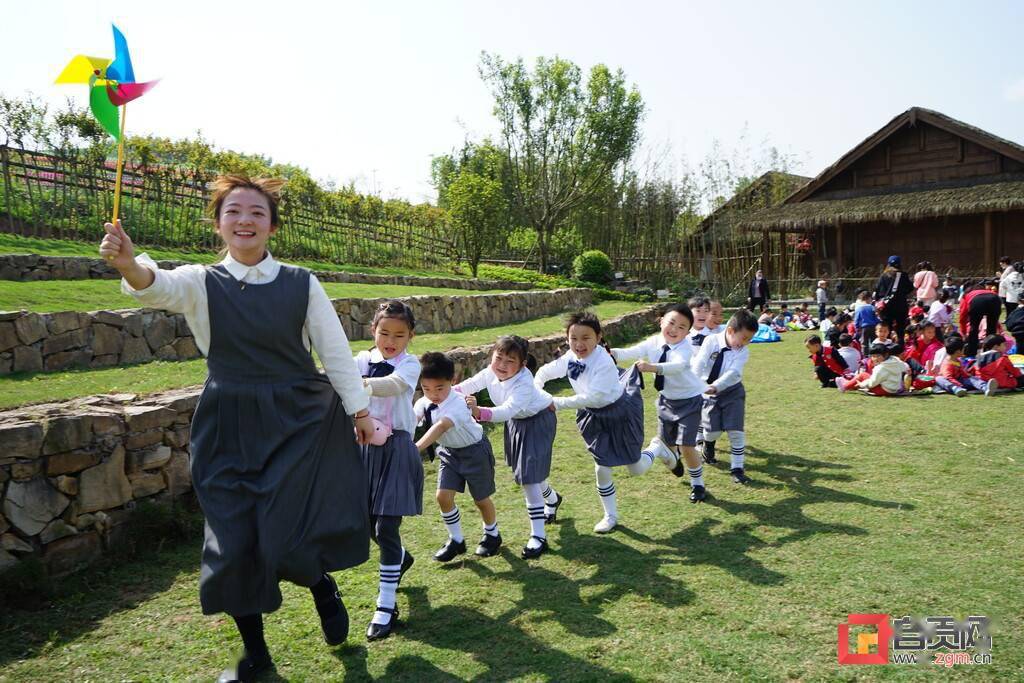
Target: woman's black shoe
(549, 519)
(379, 631)
(530, 553)
(488, 545)
(247, 669)
(334, 626)
(450, 550)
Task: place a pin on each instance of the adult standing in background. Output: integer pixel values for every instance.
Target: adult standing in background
(758, 294)
(1014, 284)
(1006, 272)
(893, 287)
(926, 282)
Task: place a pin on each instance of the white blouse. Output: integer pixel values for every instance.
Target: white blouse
(465, 431)
(732, 363)
(393, 410)
(183, 290)
(680, 380)
(597, 386)
(514, 399)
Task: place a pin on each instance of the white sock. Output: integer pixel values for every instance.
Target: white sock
(643, 464)
(606, 490)
(662, 452)
(535, 509)
(550, 497)
(491, 529)
(389, 574)
(738, 444)
(453, 522)
(696, 475)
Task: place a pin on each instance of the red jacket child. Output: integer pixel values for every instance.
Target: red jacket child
(996, 365)
(922, 351)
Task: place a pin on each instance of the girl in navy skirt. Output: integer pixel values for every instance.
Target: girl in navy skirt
(609, 408)
(275, 463)
(393, 466)
(529, 430)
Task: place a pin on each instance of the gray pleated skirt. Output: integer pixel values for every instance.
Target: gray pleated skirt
(394, 474)
(528, 446)
(614, 434)
(726, 411)
(277, 472)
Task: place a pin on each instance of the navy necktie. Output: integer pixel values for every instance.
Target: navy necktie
(428, 422)
(697, 339)
(659, 381)
(576, 369)
(381, 369)
(716, 367)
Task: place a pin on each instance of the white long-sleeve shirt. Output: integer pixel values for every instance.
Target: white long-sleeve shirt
(939, 313)
(514, 399)
(889, 374)
(596, 387)
(465, 431)
(732, 362)
(390, 407)
(680, 380)
(183, 290)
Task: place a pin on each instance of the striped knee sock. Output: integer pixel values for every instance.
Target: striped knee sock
(453, 522)
(738, 444)
(606, 490)
(389, 574)
(535, 510)
(696, 475)
(491, 529)
(550, 497)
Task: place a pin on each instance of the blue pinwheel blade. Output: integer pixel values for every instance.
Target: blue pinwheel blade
(120, 69)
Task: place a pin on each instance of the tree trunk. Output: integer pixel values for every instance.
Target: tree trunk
(542, 248)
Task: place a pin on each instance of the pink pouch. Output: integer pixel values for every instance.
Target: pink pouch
(381, 432)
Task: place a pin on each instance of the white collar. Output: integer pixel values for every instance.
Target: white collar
(452, 395)
(238, 270)
(672, 347)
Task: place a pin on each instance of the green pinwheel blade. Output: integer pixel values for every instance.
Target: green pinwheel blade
(104, 111)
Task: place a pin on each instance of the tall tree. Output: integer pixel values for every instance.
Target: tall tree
(563, 138)
(477, 208)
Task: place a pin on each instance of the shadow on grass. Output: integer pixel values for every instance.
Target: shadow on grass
(80, 601)
(495, 643)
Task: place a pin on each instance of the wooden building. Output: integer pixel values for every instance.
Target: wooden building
(924, 186)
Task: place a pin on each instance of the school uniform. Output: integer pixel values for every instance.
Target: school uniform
(720, 366)
(274, 461)
(529, 425)
(465, 454)
(609, 409)
(394, 470)
(697, 337)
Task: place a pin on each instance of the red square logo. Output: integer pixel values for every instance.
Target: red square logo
(881, 639)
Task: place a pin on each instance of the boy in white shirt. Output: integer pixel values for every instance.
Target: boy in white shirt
(700, 309)
(719, 363)
(465, 453)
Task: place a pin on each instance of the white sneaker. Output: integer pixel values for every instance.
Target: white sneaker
(959, 392)
(605, 525)
(662, 452)
(991, 387)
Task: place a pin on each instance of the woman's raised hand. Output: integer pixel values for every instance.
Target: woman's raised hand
(117, 248)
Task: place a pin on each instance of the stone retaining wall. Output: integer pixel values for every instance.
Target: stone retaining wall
(32, 267)
(49, 342)
(71, 472)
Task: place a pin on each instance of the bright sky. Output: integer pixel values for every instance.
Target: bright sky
(369, 91)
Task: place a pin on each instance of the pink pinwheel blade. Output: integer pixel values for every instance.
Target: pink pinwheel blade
(126, 92)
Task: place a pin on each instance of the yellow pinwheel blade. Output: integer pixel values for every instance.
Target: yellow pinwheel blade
(81, 68)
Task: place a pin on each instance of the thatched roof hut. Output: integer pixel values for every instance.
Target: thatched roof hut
(925, 186)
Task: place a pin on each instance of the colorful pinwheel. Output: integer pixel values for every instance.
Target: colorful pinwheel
(111, 85)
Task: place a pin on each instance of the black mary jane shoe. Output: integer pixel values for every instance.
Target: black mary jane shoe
(531, 553)
(739, 476)
(450, 550)
(708, 453)
(698, 494)
(335, 628)
(550, 519)
(679, 469)
(407, 563)
(247, 669)
(489, 545)
(381, 631)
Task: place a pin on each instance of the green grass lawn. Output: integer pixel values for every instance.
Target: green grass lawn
(901, 506)
(92, 295)
(16, 244)
(23, 388)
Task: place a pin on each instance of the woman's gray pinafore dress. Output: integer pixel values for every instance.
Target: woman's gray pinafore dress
(275, 464)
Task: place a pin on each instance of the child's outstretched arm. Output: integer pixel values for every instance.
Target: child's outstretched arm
(434, 433)
(554, 370)
(474, 384)
(631, 353)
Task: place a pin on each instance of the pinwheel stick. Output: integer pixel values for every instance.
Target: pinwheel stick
(120, 165)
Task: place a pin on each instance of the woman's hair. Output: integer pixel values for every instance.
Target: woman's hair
(924, 265)
(224, 185)
(397, 310)
(513, 345)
